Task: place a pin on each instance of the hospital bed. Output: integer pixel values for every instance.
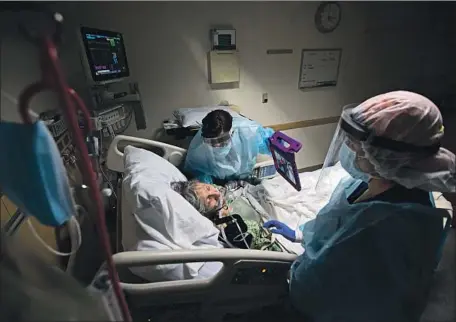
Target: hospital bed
(249, 279)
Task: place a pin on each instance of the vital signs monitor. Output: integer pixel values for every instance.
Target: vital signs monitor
(106, 59)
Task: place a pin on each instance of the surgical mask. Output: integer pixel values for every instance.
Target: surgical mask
(222, 151)
(347, 159)
(32, 173)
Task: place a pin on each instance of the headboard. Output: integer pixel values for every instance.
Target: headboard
(115, 155)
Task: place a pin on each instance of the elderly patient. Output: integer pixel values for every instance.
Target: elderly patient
(232, 210)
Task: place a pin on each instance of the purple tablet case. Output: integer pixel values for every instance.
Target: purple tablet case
(283, 150)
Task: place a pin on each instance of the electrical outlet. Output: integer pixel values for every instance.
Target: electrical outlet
(264, 98)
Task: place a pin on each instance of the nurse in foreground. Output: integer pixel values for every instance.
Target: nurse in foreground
(371, 251)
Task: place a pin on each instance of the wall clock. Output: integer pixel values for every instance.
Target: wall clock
(327, 17)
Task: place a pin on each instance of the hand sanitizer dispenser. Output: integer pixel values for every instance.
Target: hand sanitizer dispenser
(223, 58)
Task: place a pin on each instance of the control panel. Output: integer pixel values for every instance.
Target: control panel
(115, 127)
(109, 120)
(261, 275)
(264, 172)
(113, 116)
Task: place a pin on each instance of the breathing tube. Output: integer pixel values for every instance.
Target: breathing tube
(216, 217)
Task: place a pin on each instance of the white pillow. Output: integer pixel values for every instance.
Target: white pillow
(193, 116)
(158, 218)
(151, 167)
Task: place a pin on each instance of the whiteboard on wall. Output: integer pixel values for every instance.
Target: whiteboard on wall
(319, 68)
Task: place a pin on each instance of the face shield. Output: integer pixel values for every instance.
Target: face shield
(231, 155)
(349, 145)
(219, 142)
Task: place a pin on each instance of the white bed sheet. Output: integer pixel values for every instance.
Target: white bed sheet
(294, 208)
(276, 196)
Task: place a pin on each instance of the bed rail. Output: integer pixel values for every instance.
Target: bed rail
(115, 156)
(232, 259)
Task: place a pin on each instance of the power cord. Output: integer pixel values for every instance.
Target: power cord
(74, 231)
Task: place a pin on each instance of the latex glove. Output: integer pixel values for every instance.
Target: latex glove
(277, 227)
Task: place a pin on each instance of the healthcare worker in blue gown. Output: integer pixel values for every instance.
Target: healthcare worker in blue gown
(226, 147)
(371, 251)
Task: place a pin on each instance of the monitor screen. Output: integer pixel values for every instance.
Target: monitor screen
(285, 167)
(105, 52)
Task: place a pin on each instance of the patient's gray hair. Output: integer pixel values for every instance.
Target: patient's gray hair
(187, 189)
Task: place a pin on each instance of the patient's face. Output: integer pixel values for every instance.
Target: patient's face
(208, 194)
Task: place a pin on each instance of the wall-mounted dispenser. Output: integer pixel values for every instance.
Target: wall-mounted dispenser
(223, 59)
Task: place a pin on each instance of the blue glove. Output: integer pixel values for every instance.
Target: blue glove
(281, 229)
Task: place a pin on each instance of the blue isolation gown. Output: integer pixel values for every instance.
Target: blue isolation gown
(231, 162)
(368, 261)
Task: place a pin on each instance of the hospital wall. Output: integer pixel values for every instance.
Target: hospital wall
(385, 46)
